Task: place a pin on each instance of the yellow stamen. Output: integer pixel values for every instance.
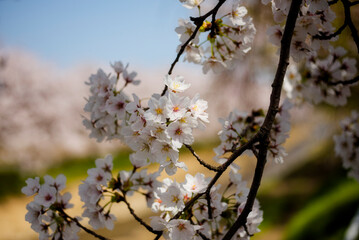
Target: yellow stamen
(159, 111)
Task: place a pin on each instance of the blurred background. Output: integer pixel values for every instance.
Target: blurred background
(48, 49)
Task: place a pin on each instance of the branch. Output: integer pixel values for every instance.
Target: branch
(202, 236)
(347, 4)
(208, 166)
(246, 229)
(138, 219)
(242, 218)
(208, 197)
(221, 170)
(347, 22)
(345, 82)
(269, 119)
(262, 134)
(62, 212)
(330, 36)
(198, 21)
(214, 13)
(187, 206)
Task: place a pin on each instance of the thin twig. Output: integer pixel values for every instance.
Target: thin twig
(348, 20)
(187, 206)
(198, 21)
(208, 166)
(345, 82)
(202, 236)
(89, 231)
(214, 13)
(330, 36)
(138, 219)
(248, 233)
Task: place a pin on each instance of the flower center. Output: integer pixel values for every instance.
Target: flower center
(178, 131)
(159, 111)
(181, 226)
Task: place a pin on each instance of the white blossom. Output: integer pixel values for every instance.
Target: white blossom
(33, 186)
(176, 84)
(46, 196)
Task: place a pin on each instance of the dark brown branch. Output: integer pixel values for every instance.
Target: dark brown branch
(158, 236)
(138, 219)
(208, 197)
(89, 231)
(187, 206)
(208, 166)
(198, 232)
(348, 20)
(198, 21)
(345, 82)
(221, 170)
(203, 236)
(255, 152)
(248, 233)
(269, 119)
(214, 13)
(330, 36)
(242, 219)
(263, 133)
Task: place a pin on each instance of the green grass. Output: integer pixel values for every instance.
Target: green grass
(328, 216)
(11, 182)
(76, 168)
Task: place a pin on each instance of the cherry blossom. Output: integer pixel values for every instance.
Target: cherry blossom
(346, 144)
(177, 84)
(33, 186)
(157, 126)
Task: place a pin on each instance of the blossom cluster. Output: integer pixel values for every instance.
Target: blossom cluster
(107, 102)
(101, 190)
(280, 132)
(219, 43)
(323, 80)
(239, 127)
(154, 131)
(314, 20)
(92, 191)
(347, 144)
(208, 217)
(321, 77)
(46, 211)
(155, 128)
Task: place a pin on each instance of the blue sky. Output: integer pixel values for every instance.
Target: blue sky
(68, 32)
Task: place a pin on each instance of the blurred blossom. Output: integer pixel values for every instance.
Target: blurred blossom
(40, 111)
